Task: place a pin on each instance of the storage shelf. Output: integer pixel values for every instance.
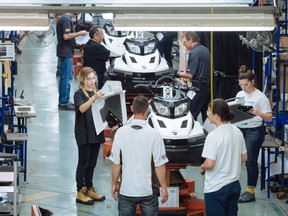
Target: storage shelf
(10, 185)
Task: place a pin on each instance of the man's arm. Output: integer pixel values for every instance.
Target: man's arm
(74, 34)
(161, 175)
(207, 165)
(265, 116)
(115, 176)
(185, 74)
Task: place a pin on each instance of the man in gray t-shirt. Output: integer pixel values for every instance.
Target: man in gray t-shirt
(198, 70)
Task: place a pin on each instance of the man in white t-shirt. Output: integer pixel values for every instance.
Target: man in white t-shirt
(224, 150)
(138, 152)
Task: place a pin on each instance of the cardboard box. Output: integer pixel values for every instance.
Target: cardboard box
(281, 77)
(283, 42)
(280, 105)
(173, 200)
(282, 56)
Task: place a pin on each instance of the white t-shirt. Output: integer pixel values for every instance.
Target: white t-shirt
(138, 144)
(258, 100)
(225, 145)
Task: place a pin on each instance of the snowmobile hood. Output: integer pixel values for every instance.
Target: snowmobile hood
(111, 104)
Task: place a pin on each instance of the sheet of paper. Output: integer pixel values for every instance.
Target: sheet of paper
(82, 39)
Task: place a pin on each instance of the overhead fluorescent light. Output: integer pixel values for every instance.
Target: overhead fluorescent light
(194, 22)
(113, 2)
(199, 29)
(24, 28)
(24, 22)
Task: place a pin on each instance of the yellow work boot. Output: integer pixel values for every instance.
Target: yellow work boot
(95, 196)
(83, 198)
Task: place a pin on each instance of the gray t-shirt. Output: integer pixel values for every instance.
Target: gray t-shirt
(199, 63)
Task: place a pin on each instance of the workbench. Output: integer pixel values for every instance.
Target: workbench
(271, 147)
(20, 138)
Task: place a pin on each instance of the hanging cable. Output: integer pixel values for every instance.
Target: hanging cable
(211, 57)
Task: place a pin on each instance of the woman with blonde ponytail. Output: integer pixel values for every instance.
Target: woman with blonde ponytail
(88, 141)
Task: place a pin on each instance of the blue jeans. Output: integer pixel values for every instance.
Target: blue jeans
(254, 138)
(59, 64)
(66, 76)
(223, 202)
(148, 205)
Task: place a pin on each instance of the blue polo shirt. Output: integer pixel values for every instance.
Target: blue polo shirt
(199, 62)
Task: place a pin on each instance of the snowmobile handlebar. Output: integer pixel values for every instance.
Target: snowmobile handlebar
(186, 88)
(148, 85)
(181, 87)
(165, 78)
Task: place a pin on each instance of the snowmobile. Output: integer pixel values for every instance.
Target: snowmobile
(169, 113)
(141, 63)
(132, 60)
(113, 40)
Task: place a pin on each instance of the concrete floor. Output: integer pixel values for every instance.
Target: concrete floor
(52, 151)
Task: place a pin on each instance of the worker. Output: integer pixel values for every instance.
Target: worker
(88, 142)
(198, 71)
(224, 151)
(95, 54)
(253, 131)
(138, 151)
(65, 52)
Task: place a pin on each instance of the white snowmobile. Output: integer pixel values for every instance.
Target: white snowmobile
(141, 63)
(183, 136)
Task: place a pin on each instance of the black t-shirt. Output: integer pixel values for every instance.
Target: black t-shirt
(84, 125)
(199, 62)
(95, 56)
(65, 48)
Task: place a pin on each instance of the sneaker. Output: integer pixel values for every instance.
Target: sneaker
(83, 198)
(95, 196)
(66, 107)
(246, 197)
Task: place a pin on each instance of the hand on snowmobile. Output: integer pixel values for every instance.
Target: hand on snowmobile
(114, 128)
(98, 94)
(254, 111)
(177, 74)
(246, 109)
(83, 33)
